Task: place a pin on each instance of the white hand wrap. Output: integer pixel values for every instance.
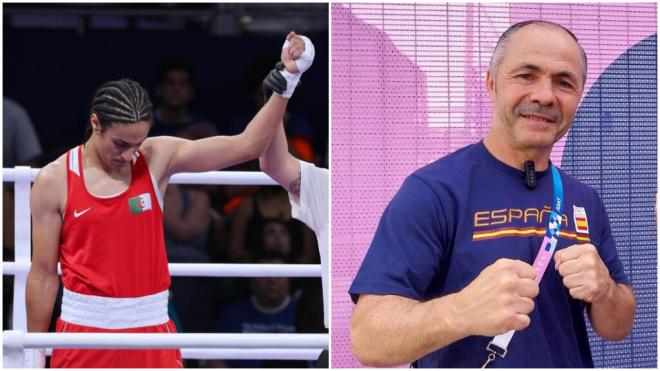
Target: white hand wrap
(307, 57)
(34, 358)
(292, 80)
(303, 63)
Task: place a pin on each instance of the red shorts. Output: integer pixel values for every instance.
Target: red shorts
(116, 358)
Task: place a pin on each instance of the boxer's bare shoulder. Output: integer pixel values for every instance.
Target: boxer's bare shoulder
(158, 153)
(50, 183)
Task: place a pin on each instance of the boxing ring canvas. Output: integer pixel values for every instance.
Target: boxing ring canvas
(408, 88)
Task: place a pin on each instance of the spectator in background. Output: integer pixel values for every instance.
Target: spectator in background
(188, 213)
(21, 147)
(276, 237)
(309, 315)
(266, 204)
(175, 92)
(187, 217)
(269, 309)
(173, 117)
(20, 142)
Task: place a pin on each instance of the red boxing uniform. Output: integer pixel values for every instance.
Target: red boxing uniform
(114, 269)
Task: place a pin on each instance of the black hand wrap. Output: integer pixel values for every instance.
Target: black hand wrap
(274, 82)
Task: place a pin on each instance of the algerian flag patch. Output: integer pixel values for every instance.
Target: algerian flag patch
(140, 203)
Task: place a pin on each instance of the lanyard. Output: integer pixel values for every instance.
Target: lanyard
(498, 346)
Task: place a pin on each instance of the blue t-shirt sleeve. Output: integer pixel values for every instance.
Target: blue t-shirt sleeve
(405, 253)
(607, 247)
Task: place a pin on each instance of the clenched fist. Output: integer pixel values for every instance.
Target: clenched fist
(498, 300)
(292, 52)
(585, 275)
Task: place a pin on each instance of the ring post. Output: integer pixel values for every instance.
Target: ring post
(22, 243)
(12, 349)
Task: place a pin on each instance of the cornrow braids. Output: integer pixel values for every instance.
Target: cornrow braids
(121, 102)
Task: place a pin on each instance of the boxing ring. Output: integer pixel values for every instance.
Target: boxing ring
(193, 346)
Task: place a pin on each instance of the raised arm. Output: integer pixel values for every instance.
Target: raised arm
(180, 155)
(277, 162)
(219, 152)
(280, 165)
(43, 281)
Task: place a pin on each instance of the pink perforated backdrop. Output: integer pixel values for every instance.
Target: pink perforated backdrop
(408, 88)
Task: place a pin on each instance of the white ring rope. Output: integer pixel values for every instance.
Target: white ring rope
(211, 270)
(88, 340)
(254, 353)
(209, 177)
(197, 346)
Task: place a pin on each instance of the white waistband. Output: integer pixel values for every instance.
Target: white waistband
(114, 313)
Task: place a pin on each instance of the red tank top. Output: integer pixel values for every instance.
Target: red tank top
(113, 246)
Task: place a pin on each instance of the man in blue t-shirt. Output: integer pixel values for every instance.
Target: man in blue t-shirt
(450, 267)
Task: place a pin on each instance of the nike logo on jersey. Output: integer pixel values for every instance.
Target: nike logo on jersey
(78, 214)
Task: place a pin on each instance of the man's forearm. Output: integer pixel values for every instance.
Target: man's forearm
(41, 291)
(392, 330)
(612, 317)
(279, 164)
(261, 130)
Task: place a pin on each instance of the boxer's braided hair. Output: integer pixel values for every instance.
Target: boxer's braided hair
(121, 102)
